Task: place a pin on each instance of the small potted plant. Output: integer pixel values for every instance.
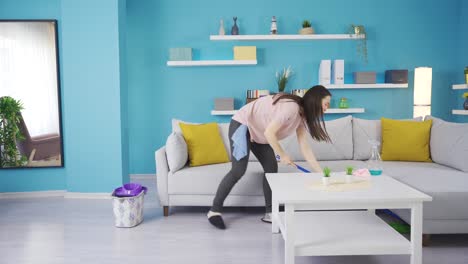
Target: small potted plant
(326, 176)
(361, 47)
(349, 174)
(283, 78)
(465, 104)
(307, 28)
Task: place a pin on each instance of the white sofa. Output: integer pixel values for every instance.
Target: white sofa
(446, 180)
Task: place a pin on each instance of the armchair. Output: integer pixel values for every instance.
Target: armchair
(38, 147)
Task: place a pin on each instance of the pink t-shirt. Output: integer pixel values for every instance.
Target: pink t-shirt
(258, 114)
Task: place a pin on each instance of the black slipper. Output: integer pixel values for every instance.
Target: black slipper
(217, 221)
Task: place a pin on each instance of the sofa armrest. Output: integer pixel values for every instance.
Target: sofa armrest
(162, 171)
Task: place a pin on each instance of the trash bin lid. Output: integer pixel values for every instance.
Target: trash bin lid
(129, 189)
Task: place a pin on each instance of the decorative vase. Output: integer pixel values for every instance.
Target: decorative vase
(465, 105)
(235, 29)
(343, 103)
(326, 181)
(466, 74)
(374, 164)
(273, 28)
(221, 28)
(307, 31)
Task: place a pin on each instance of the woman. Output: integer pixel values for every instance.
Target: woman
(259, 126)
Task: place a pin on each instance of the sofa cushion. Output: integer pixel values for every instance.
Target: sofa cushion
(176, 151)
(223, 130)
(365, 130)
(341, 148)
(406, 140)
(449, 144)
(448, 187)
(204, 144)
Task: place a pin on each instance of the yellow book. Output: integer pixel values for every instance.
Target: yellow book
(245, 52)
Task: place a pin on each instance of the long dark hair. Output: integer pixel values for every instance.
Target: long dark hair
(311, 110)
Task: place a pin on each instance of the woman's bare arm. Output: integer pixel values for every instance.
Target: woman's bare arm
(306, 150)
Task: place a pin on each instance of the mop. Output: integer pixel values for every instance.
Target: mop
(297, 166)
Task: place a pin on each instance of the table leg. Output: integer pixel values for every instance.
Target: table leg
(274, 215)
(289, 248)
(416, 233)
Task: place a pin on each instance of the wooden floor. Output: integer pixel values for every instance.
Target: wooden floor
(55, 230)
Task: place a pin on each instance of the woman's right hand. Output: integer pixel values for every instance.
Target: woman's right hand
(285, 159)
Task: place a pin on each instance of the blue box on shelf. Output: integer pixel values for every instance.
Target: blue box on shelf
(180, 54)
(396, 76)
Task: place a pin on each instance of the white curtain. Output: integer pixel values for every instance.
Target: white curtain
(28, 72)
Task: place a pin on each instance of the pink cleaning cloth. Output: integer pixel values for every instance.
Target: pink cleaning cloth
(364, 173)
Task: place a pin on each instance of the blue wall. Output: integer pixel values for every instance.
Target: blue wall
(402, 35)
(92, 95)
(32, 179)
(111, 128)
(94, 118)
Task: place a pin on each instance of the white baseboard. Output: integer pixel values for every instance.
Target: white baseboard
(143, 176)
(77, 195)
(71, 195)
(62, 194)
(38, 194)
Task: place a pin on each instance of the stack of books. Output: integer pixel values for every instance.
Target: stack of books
(257, 93)
(252, 95)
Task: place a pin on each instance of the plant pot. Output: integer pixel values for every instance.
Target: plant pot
(357, 30)
(348, 178)
(306, 31)
(326, 181)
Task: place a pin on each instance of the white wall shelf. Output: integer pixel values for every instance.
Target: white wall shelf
(223, 112)
(460, 112)
(345, 111)
(329, 111)
(211, 63)
(287, 37)
(460, 86)
(366, 86)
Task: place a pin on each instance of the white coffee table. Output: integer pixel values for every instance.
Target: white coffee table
(328, 233)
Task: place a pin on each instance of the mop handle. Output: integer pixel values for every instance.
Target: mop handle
(297, 166)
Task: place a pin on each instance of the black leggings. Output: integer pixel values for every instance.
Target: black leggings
(266, 157)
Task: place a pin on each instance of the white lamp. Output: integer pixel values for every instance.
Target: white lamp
(422, 91)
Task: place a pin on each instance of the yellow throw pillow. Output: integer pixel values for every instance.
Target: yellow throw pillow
(205, 145)
(406, 140)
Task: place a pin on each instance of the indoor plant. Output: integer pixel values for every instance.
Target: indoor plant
(10, 132)
(361, 47)
(465, 104)
(326, 176)
(307, 28)
(283, 78)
